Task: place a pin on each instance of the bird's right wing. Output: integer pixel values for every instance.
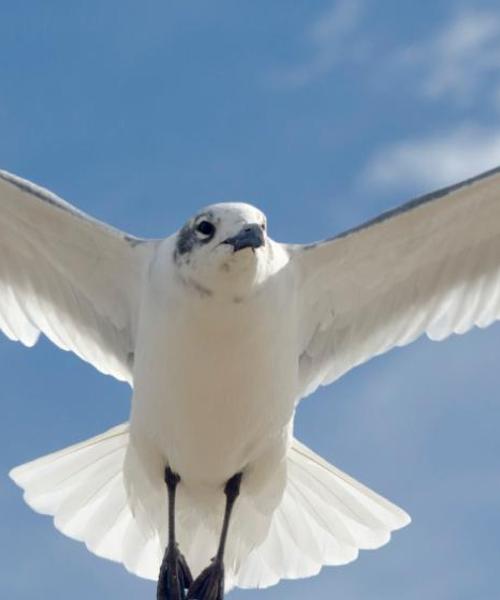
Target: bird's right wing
(71, 277)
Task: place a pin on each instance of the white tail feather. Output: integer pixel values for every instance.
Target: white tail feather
(324, 518)
(83, 488)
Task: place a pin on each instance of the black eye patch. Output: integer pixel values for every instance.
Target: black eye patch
(195, 233)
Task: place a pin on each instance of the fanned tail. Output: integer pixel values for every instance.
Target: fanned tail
(82, 487)
(325, 517)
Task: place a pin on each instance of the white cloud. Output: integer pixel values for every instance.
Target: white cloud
(461, 58)
(329, 37)
(435, 160)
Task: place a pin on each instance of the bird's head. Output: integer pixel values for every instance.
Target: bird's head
(224, 247)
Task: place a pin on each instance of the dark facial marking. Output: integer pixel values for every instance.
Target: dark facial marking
(187, 239)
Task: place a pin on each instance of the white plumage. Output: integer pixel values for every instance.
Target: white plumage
(432, 266)
(324, 517)
(219, 347)
(68, 276)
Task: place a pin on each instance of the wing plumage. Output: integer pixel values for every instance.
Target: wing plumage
(68, 276)
(431, 266)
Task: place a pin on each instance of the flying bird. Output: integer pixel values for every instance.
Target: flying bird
(220, 332)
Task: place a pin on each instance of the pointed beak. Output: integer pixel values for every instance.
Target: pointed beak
(251, 236)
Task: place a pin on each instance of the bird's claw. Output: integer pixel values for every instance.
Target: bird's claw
(209, 585)
(175, 577)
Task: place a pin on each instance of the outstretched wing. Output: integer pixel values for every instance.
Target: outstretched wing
(68, 276)
(431, 266)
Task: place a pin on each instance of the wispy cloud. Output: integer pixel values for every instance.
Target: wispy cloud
(330, 38)
(435, 160)
(460, 60)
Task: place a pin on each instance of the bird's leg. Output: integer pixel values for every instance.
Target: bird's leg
(175, 576)
(209, 585)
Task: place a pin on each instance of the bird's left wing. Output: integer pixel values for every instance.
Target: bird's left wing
(431, 266)
(68, 276)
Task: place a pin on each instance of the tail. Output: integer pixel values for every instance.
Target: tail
(324, 518)
(83, 488)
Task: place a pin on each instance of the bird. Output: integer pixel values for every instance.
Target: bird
(220, 331)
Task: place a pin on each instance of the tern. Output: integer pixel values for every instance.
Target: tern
(220, 332)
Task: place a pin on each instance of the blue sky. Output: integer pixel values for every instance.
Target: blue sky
(323, 114)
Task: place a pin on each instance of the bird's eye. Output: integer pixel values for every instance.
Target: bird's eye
(205, 229)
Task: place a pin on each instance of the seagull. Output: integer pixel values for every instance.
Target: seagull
(220, 332)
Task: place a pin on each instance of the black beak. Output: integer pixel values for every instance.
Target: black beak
(251, 236)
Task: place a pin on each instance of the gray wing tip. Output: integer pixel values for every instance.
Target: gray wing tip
(40, 192)
(50, 198)
(407, 206)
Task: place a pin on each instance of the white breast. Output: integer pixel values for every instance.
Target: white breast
(215, 381)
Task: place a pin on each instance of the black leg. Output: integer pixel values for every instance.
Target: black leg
(209, 585)
(175, 577)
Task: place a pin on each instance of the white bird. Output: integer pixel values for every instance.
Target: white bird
(221, 331)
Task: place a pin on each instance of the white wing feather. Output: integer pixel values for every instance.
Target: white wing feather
(432, 266)
(68, 276)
